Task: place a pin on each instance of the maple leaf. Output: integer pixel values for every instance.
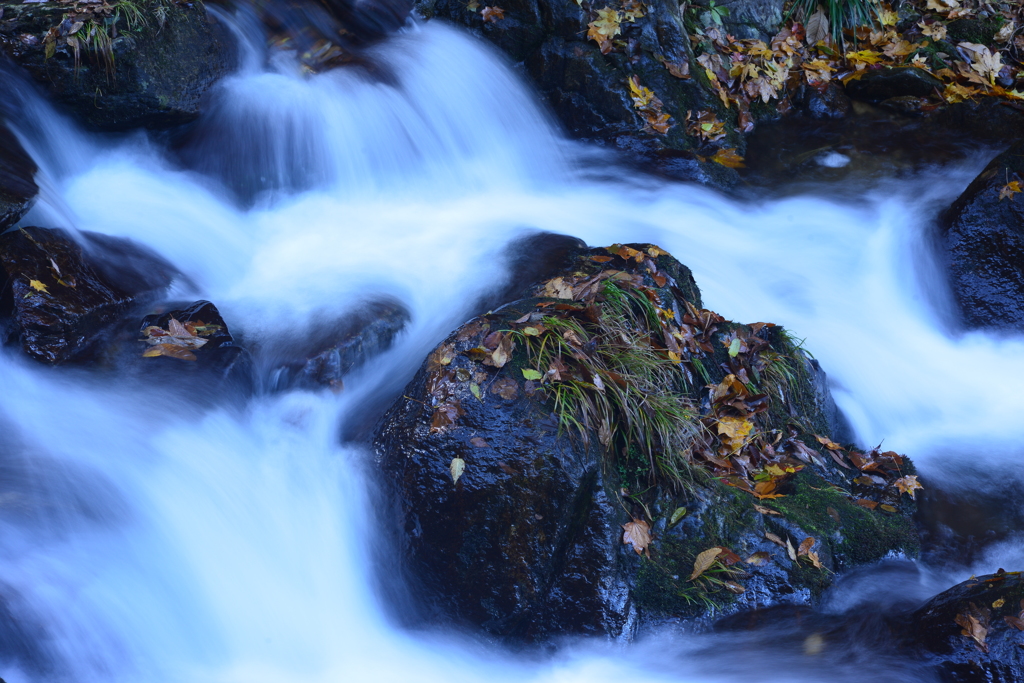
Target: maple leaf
(557, 288)
(887, 17)
(632, 10)
(637, 534)
(492, 15)
(934, 30)
(704, 562)
(728, 158)
(1006, 32)
(38, 286)
(604, 28)
(733, 431)
(863, 58)
(817, 71)
(958, 93)
(1010, 189)
(908, 484)
(943, 5)
(983, 60)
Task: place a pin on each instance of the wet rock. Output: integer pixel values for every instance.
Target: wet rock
(60, 296)
(17, 185)
(829, 102)
(990, 607)
(753, 19)
(219, 355)
(588, 91)
(982, 240)
(511, 503)
(151, 65)
(890, 82)
(321, 357)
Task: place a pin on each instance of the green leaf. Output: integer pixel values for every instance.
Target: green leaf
(531, 374)
(734, 348)
(676, 516)
(475, 390)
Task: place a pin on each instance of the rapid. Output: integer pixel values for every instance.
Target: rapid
(148, 537)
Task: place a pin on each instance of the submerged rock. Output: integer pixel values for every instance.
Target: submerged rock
(17, 184)
(983, 246)
(61, 296)
(606, 403)
(322, 356)
(119, 66)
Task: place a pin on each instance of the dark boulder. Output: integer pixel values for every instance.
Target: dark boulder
(972, 633)
(889, 82)
(828, 102)
(17, 184)
(608, 402)
(322, 356)
(120, 66)
(59, 296)
(982, 241)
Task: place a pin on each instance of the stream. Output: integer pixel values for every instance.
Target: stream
(163, 536)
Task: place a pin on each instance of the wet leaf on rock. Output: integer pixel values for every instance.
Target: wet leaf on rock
(637, 534)
(677, 515)
(1010, 189)
(908, 484)
(38, 286)
(479, 442)
(704, 562)
(457, 467)
(178, 340)
(506, 388)
(974, 623)
(492, 15)
(758, 558)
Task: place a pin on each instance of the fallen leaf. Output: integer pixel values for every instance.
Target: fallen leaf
(704, 562)
(908, 484)
(998, 603)
(492, 15)
(790, 550)
(557, 288)
(38, 286)
(834, 514)
(734, 587)
(1011, 188)
(457, 467)
(973, 627)
(766, 511)
(169, 350)
(1006, 32)
(774, 539)
(828, 443)
(758, 558)
(934, 30)
(637, 534)
(479, 442)
(817, 27)
(505, 387)
(887, 508)
(865, 503)
(529, 373)
(728, 158)
(604, 28)
(475, 390)
(805, 546)
(677, 515)
(815, 560)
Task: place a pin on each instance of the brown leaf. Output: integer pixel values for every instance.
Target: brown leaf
(505, 387)
(445, 415)
(170, 350)
(865, 503)
(734, 587)
(813, 557)
(766, 511)
(479, 442)
(637, 534)
(806, 546)
(973, 627)
(774, 539)
(728, 158)
(828, 443)
(502, 353)
(557, 288)
(704, 561)
(758, 558)
(492, 15)
(834, 514)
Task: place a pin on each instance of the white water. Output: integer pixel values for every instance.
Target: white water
(154, 539)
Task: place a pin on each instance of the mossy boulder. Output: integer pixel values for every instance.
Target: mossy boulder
(122, 65)
(562, 464)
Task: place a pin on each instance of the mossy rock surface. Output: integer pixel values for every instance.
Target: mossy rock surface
(512, 503)
(146, 64)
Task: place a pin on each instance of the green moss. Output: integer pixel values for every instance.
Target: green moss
(861, 536)
(980, 31)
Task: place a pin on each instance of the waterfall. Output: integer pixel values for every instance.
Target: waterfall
(148, 535)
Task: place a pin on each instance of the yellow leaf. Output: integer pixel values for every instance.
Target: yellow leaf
(457, 467)
(38, 286)
(704, 562)
(1009, 190)
(888, 17)
(958, 93)
(934, 30)
(942, 5)
(728, 158)
(864, 57)
(604, 28)
(908, 484)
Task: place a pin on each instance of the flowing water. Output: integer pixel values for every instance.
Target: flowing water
(149, 535)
